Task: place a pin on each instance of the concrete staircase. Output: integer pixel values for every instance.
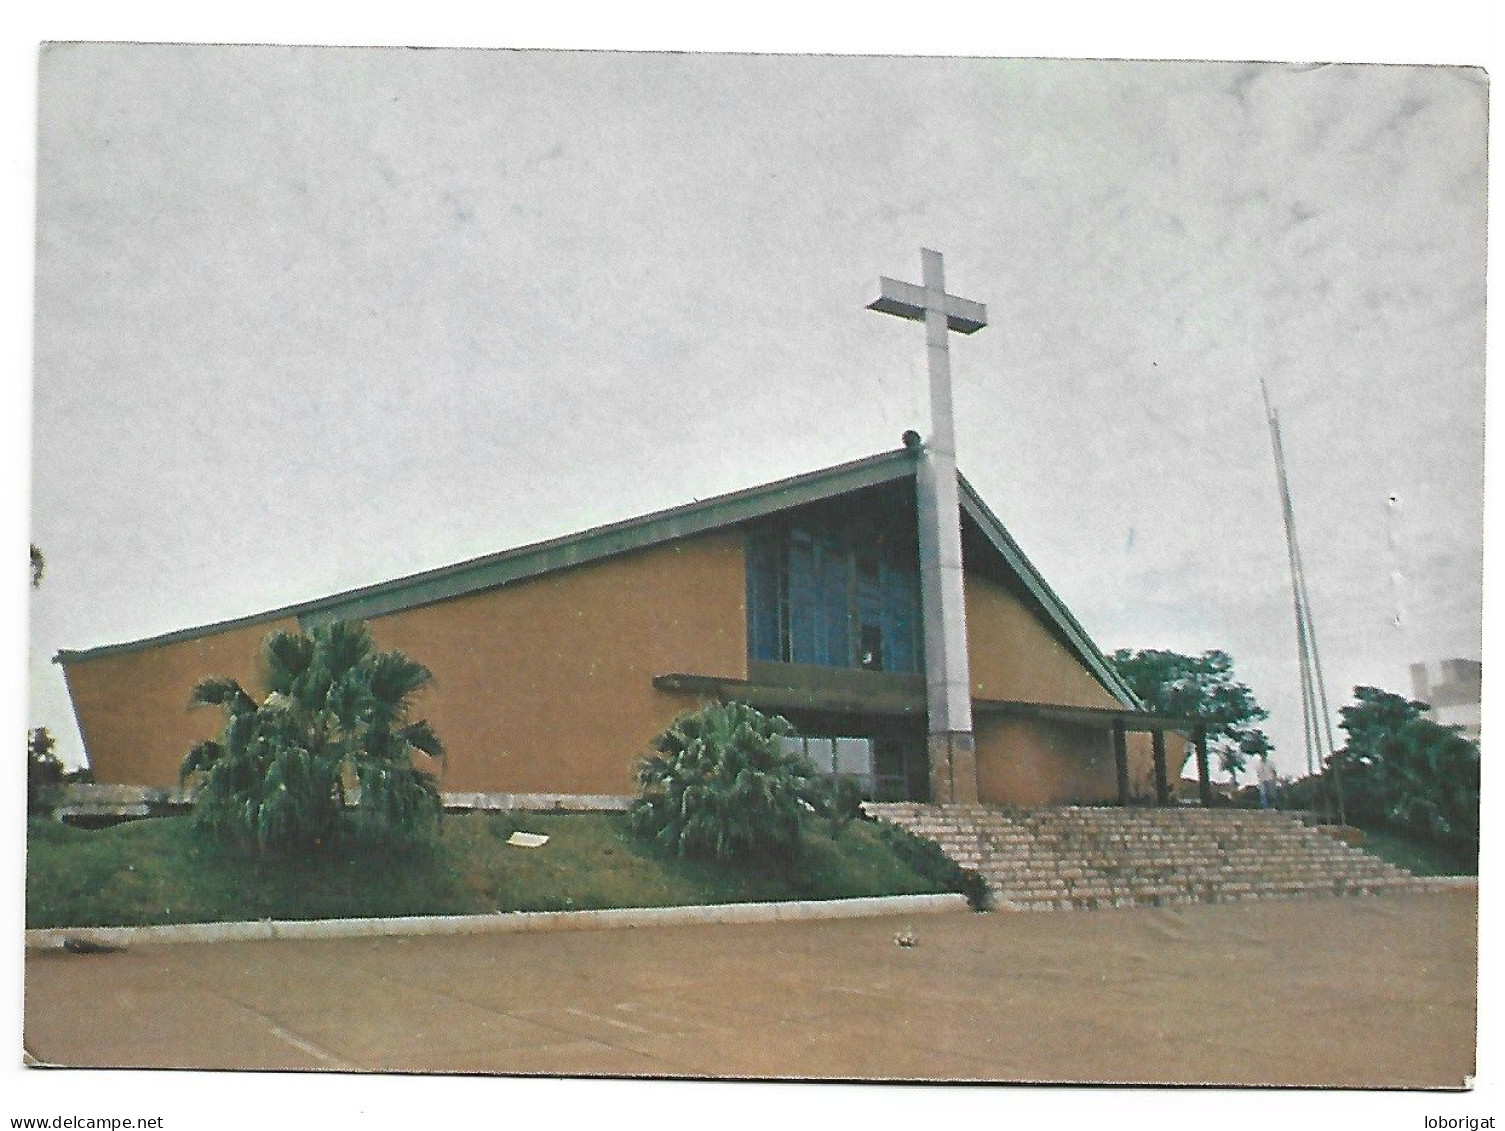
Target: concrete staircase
(1070, 857)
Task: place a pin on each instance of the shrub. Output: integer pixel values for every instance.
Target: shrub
(722, 785)
(928, 859)
(841, 803)
(336, 712)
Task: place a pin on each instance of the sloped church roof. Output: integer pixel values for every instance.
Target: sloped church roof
(493, 570)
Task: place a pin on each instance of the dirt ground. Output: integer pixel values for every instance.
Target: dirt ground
(1362, 992)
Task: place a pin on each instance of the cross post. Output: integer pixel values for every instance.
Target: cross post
(948, 685)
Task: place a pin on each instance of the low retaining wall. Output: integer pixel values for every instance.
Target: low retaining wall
(536, 802)
(97, 801)
(507, 922)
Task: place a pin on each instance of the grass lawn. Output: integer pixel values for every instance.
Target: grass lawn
(160, 871)
(1420, 857)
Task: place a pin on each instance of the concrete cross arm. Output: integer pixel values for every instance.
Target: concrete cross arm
(907, 300)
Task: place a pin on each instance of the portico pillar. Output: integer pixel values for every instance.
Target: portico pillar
(1162, 785)
(1121, 760)
(1204, 777)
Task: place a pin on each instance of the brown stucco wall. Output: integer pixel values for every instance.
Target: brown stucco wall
(1028, 762)
(1013, 655)
(545, 685)
(132, 707)
(541, 686)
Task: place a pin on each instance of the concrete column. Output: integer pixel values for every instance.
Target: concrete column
(1121, 761)
(1204, 776)
(953, 751)
(1162, 785)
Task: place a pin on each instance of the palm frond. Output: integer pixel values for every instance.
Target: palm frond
(220, 691)
(286, 657)
(200, 759)
(421, 736)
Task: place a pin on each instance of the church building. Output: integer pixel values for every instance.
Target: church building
(556, 664)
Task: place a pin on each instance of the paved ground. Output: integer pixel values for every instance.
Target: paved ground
(1354, 992)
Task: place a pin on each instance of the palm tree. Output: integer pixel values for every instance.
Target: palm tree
(337, 712)
(723, 784)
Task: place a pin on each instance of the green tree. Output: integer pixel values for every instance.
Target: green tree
(1375, 714)
(1404, 770)
(44, 770)
(1204, 687)
(337, 712)
(44, 773)
(1232, 761)
(722, 785)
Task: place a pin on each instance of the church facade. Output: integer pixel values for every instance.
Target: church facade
(556, 664)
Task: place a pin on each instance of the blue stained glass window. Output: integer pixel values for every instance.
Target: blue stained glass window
(802, 598)
(763, 598)
(833, 647)
(840, 594)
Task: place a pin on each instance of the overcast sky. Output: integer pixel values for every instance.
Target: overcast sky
(312, 318)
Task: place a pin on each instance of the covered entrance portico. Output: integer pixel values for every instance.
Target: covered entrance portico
(869, 726)
(1120, 723)
(887, 710)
